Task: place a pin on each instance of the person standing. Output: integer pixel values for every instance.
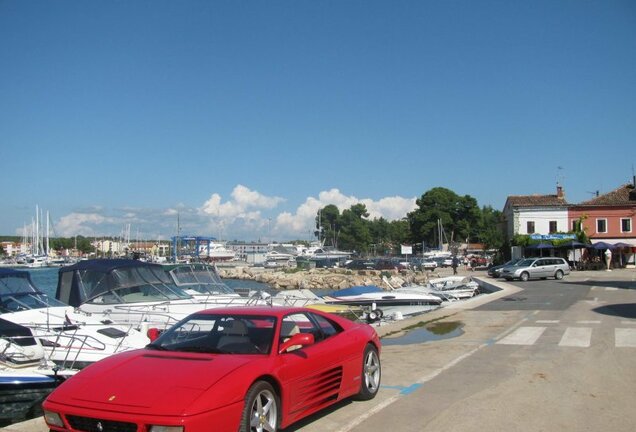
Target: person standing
(454, 264)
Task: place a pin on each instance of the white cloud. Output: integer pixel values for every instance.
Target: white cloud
(247, 215)
(243, 199)
(80, 224)
(299, 223)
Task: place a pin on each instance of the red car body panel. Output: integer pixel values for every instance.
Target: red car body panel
(204, 391)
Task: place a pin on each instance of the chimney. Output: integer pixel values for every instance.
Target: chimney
(560, 193)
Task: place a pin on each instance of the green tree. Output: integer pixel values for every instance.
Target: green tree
(490, 229)
(328, 225)
(459, 217)
(355, 234)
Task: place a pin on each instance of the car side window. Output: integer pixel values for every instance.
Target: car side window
(293, 324)
(326, 327)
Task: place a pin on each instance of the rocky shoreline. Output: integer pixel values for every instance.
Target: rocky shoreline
(333, 279)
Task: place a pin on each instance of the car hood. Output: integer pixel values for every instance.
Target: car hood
(147, 381)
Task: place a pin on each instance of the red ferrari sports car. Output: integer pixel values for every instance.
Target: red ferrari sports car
(224, 369)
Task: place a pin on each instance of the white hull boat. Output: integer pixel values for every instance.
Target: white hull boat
(26, 377)
(72, 339)
(450, 288)
(389, 303)
(133, 292)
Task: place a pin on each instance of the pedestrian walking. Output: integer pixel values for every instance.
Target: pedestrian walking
(455, 264)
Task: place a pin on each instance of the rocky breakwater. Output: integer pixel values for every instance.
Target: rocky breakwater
(333, 279)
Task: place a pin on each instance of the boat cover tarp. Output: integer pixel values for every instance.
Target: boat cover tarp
(89, 279)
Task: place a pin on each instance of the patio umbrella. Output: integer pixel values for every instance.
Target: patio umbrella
(603, 245)
(622, 245)
(540, 247)
(573, 244)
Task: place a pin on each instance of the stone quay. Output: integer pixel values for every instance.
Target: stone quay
(333, 279)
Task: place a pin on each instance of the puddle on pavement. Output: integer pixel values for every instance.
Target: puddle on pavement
(427, 332)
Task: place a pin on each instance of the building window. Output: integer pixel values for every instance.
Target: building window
(553, 227)
(626, 225)
(601, 225)
(530, 227)
(576, 225)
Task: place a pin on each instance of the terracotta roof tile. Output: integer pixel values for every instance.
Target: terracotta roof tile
(617, 197)
(536, 200)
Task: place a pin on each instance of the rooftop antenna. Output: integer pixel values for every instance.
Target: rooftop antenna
(560, 176)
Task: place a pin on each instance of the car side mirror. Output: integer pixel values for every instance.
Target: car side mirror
(300, 339)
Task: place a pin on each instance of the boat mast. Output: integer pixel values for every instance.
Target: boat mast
(47, 234)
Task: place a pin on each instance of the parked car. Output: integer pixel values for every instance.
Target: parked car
(533, 268)
(429, 265)
(495, 271)
(360, 264)
(224, 369)
(387, 264)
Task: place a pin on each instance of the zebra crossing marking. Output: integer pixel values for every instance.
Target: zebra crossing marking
(547, 321)
(576, 337)
(625, 337)
(522, 336)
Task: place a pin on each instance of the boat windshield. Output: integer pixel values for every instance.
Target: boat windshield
(128, 285)
(17, 293)
(200, 278)
(219, 333)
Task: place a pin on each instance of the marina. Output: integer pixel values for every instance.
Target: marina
(82, 322)
(459, 353)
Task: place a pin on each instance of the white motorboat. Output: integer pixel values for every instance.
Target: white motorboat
(26, 377)
(137, 293)
(202, 281)
(275, 258)
(448, 288)
(215, 251)
(72, 339)
(385, 302)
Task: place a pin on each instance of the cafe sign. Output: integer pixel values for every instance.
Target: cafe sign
(553, 236)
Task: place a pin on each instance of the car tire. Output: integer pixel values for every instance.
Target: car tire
(524, 276)
(260, 411)
(371, 374)
(558, 275)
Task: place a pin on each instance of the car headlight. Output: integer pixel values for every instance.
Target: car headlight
(53, 419)
(156, 428)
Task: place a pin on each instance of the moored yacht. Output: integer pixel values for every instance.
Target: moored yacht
(387, 302)
(72, 339)
(26, 377)
(133, 292)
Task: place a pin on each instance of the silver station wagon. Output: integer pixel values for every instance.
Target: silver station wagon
(537, 268)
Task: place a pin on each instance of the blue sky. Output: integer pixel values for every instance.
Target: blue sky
(245, 117)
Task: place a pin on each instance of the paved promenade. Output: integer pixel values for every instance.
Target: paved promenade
(522, 364)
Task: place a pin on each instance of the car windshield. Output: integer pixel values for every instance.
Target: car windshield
(526, 262)
(219, 333)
